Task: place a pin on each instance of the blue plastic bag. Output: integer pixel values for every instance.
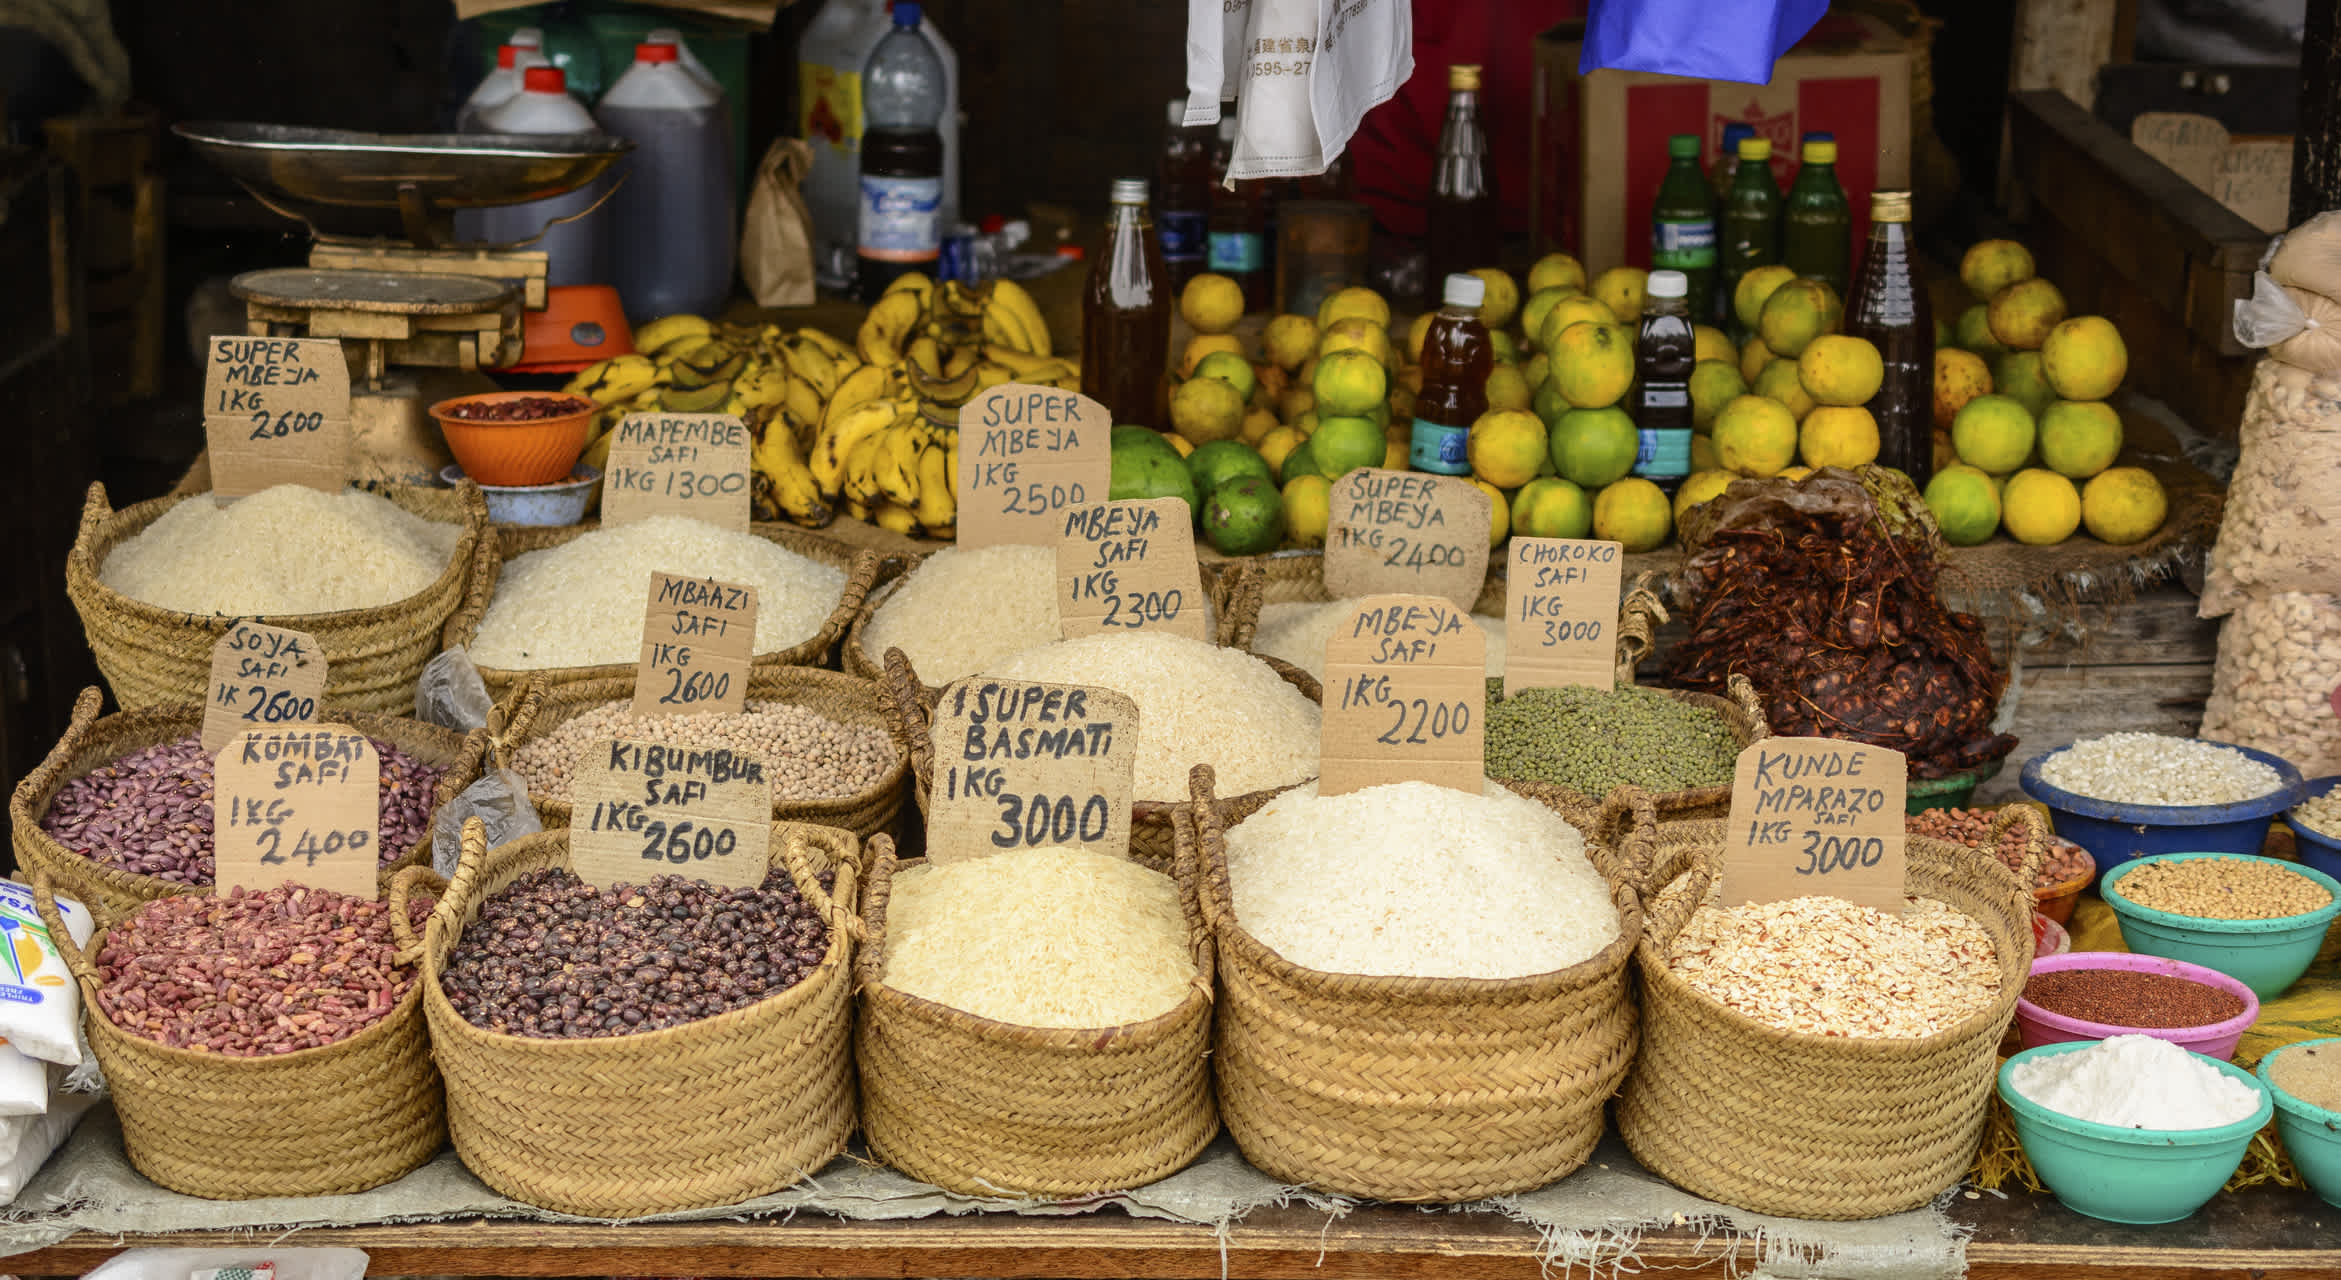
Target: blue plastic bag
(1703, 39)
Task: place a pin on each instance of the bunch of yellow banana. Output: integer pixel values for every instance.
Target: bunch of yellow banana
(959, 341)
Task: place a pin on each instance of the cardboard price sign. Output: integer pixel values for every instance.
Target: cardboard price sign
(643, 809)
(678, 464)
(1405, 532)
(1129, 566)
(1022, 765)
(261, 676)
(1561, 614)
(298, 805)
(1026, 454)
(1405, 687)
(698, 637)
(1816, 816)
(276, 411)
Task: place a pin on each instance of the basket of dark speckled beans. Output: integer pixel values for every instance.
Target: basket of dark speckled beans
(265, 1043)
(642, 1048)
(120, 812)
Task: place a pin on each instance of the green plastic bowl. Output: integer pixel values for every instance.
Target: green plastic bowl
(2312, 1135)
(1952, 792)
(2129, 1175)
(2265, 955)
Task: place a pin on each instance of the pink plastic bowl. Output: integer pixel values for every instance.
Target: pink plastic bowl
(2036, 1026)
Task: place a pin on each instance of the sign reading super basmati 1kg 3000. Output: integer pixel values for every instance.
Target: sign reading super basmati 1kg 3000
(1026, 455)
(1023, 765)
(678, 464)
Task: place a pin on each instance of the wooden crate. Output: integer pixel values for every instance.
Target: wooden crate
(2127, 238)
(119, 208)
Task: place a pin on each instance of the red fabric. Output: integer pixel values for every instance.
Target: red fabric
(1392, 151)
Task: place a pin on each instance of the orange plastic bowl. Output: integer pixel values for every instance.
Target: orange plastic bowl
(539, 451)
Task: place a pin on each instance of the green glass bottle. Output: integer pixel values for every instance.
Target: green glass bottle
(1816, 224)
(1682, 222)
(1727, 158)
(1750, 221)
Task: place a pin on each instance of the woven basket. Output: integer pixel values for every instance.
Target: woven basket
(1417, 1089)
(1233, 587)
(1298, 577)
(92, 741)
(1743, 711)
(333, 1120)
(861, 570)
(710, 1113)
(152, 655)
(1153, 843)
(988, 1108)
(1811, 1126)
(840, 697)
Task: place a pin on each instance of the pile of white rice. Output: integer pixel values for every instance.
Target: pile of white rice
(1040, 938)
(1197, 704)
(285, 550)
(1412, 879)
(580, 604)
(1296, 633)
(964, 608)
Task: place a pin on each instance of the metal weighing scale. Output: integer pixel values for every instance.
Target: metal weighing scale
(420, 315)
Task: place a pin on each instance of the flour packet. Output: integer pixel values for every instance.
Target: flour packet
(40, 1008)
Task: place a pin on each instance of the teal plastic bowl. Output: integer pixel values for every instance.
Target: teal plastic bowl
(2129, 1175)
(2312, 1135)
(2265, 955)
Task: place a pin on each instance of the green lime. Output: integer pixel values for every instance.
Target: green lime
(1151, 472)
(1302, 461)
(1595, 447)
(1342, 445)
(1220, 461)
(1244, 517)
(1547, 403)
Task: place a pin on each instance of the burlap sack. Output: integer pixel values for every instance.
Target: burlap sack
(2284, 501)
(776, 237)
(2279, 662)
(2309, 257)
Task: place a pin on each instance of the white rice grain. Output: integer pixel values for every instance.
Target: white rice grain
(1416, 880)
(288, 549)
(964, 608)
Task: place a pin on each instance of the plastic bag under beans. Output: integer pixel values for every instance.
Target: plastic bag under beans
(40, 1008)
(180, 1264)
(451, 693)
(2296, 326)
(27, 1142)
(2309, 256)
(500, 801)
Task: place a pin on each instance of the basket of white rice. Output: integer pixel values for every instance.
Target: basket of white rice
(1254, 719)
(374, 577)
(1035, 1022)
(958, 610)
(1297, 615)
(566, 603)
(1816, 1059)
(824, 736)
(1423, 991)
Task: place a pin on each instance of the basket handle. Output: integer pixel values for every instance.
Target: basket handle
(1203, 817)
(402, 885)
(1743, 693)
(1238, 594)
(45, 902)
(912, 721)
(1666, 916)
(862, 575)
(510, 720)
(2035, 844)
(52, 766)
(800, 869)
(870, 965)
(1629, 821)
(95, 511)
(1638, 618)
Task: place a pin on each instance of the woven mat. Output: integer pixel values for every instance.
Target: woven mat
(1593, 1218)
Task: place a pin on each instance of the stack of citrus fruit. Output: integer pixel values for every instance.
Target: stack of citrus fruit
(2024, 439)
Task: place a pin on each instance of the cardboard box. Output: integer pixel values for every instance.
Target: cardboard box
(1598, 142)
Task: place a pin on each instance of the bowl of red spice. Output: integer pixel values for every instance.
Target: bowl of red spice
(2091, 995)
(516, 437)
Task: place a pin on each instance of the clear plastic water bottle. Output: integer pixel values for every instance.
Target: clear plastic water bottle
(830, 57)
(672, 231)
(901, 227)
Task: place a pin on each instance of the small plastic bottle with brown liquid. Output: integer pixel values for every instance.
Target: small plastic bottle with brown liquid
(1125, 315)
(1663, 355)
(1889, 308)
(1456, 360)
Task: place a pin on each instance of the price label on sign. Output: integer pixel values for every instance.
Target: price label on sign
(643, 810)
(1815, 816)
(1406, 532)
(1129, 566)
(299, 805)
(261, 676)
(1021, 765)
(698, 638)
(1405, 689)
(1561, 613)
(1028, 454)
(276, 411)
(678, 464)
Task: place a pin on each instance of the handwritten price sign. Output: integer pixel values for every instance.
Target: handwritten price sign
(1816, 816)
(678, 464)
(276, 411)
(1560, 614)
(1405, 532)
(1129, 566)
(1023, 765)
(698, 638)
(301, 805)
(1026, 455)
(261, 676)
(1405, 685)
(646, 810)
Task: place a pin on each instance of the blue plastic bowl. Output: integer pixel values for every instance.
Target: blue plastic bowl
(2312, 1135)
(2129, 1175)
(2115, 833)
(2316, 848)
(562, 502)
(2265, 955)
